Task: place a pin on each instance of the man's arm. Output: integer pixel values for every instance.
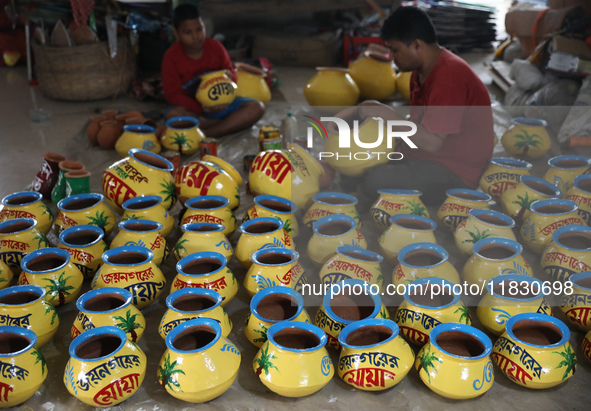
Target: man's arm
(173, 88)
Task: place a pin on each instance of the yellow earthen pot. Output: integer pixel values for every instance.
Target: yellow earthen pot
(568, 253)
(562, 170)
(502, 174)
(527, 138)
(331, 87)
(374, 75)
(27, 204)
(182, 134)
(216, 88)
(251, 83)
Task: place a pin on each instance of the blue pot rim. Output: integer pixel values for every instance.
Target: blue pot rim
(42, 251)
(89, 295)
(92, 333)
(368, 322)
(343, 248)
(580, 276)
(192, 228)
(64, 201)
(275, 328)
(182, 118)
(538, 317)
(198, 256)
(527, 178)
(22, 332)
(124, 223)
(398, 191)
(139, 128)
(172, 297)
(553, 201)
(263, 197)
(426, 281)
(272, 220)
(519, 278)
(353, 201)
(190, 202)
(279, 289)
(31, 221)
(31, 288)
(423, 246)
(527, 122)
(394, 220)
(580, 178)
(482, 197)
(567, 229)
(511, 163)
(331, 218)
(217, 328)
(466, 329)
(133, 151)
(327, 299)
(38, 197)
(141, 199)
(82, 227)
(293, 254)
(514, 245)
(475, 212)
(569, 157)
(149, 254)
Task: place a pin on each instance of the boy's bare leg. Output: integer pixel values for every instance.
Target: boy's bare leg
(241, 119)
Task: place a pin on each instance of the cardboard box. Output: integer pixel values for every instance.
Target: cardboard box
(299, 50)
(571, 46)
(585, 5)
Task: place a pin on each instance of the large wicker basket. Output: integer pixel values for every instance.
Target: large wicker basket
(85, 72)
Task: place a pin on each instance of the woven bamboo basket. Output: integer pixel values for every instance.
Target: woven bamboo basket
(85, 72)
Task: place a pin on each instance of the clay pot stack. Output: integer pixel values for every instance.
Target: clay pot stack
(104, 129)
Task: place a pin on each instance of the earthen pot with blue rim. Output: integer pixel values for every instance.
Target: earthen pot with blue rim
(482, 224)
(273, 206)
(405, 229)
(142, 233)
(150, 208)
(274, 266)
(459, 201)
(202, 237)
(261, 232)
(86, 245)
(137, 136)
(329, 203)
(576, 304)
(568, 253)
(89, 208)
(563, 169)
(182, 134)
(502, 174)
(423, 260)
(580, 193)
(210, 209)
(396, 201)
(353, 262)
(27, 204)
(330, 232)
(19, 237)
(517, 200)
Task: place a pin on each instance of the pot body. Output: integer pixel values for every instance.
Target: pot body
(81, 209)
(576, 303)
(331, 87)
(392, 202)
(18, 238)
(517, 200)
(142, 233)
(277, 207)
(331, 203)
(137, 136)
(405, 229)
(210, 209)
(261, 232)
(251, 83)
(274, 266)
(148, 208)
(562, 170)
(27, 204)
(216, 88)
(423, 260)
(458, 203)
(333, 231)
(482, 224)
(182, 134)
(527, 138)
(353, 263)
(86, 244)
(374, 75)
(202, 237)
(568, 252)
(502, 174)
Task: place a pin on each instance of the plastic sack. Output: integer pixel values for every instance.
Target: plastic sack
(527, 76)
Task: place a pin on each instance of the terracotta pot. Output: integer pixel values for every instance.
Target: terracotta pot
(110, 114)
(94, 127)
(108, 134)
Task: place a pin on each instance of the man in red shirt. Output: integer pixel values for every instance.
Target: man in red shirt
(450, 106)
(191, 56)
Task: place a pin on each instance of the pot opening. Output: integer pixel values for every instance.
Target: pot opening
(140, 205)
(81, 237)
(296, 339)
(129, 257)
(15, 227)
(554, 209)
(468, 196)
(46, 262)
(510, 164)
(151, 160)
(460, 343)
(576, 241)
(422, 258)
(570, 163)
(272, 258)
(413, 224)
(540, 187)
(430, 295)
(207, 204)
(360, 256)
(378, 56)
(81, 204)
(585, 185)
(336, 200)
(369, 335)
(19, 298)
(247, 68)
(491, 219)
(141, 227)
(202, 266)
(12, 343)
(105, 302)
(98, 346)
(192, 302)
(183, 124)
(335, 228)
(20, 200)
(537, 332)
(205, 229)
(496, 251)
(352, 307)
(277, 307)
(261, 228)
(194, 338)
(276, 206)
(514, 289)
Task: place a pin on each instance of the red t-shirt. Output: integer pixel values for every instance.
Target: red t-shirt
(453, 101)
(179, 72)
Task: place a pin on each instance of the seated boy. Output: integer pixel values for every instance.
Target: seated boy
(192, 55)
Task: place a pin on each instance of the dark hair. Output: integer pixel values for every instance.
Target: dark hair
(407, 24)
(184, 12)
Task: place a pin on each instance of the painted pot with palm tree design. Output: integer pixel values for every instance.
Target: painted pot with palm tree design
(535, 352)
(131, 268)
(395, 201)
(423, 260)
(274, 266)
(527, 138)
(509, 295)
(141, 174)
(143, 233)
(209, 176)
(294, 349)
(210, 209)
(148, 208)
(189, 303)
(517, 200)
(502, 174)
(52, 269)
(580, 193)
(273, 206)
(25, 365)
(201, 237)
(429, 302)
(495, 256)
(562, 170)
(405, 229)
(260, 232)
(206, 270)
(18, 238)
(482, 224)
(330, 203)
(86, 245)
(27, 204)
(137, 136)
(25, 306)
(456, 362)
(459, 201)
(182, 134)
(330, 232)
(105, 367)
(89, 209)
(576, 303)
(374, 356)
(199, 363)
(6, 275)
(270, 306)
(353, 262)
(568, 253)
(108, 306)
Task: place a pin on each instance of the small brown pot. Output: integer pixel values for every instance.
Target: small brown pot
(94, 127)
(108, 134)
